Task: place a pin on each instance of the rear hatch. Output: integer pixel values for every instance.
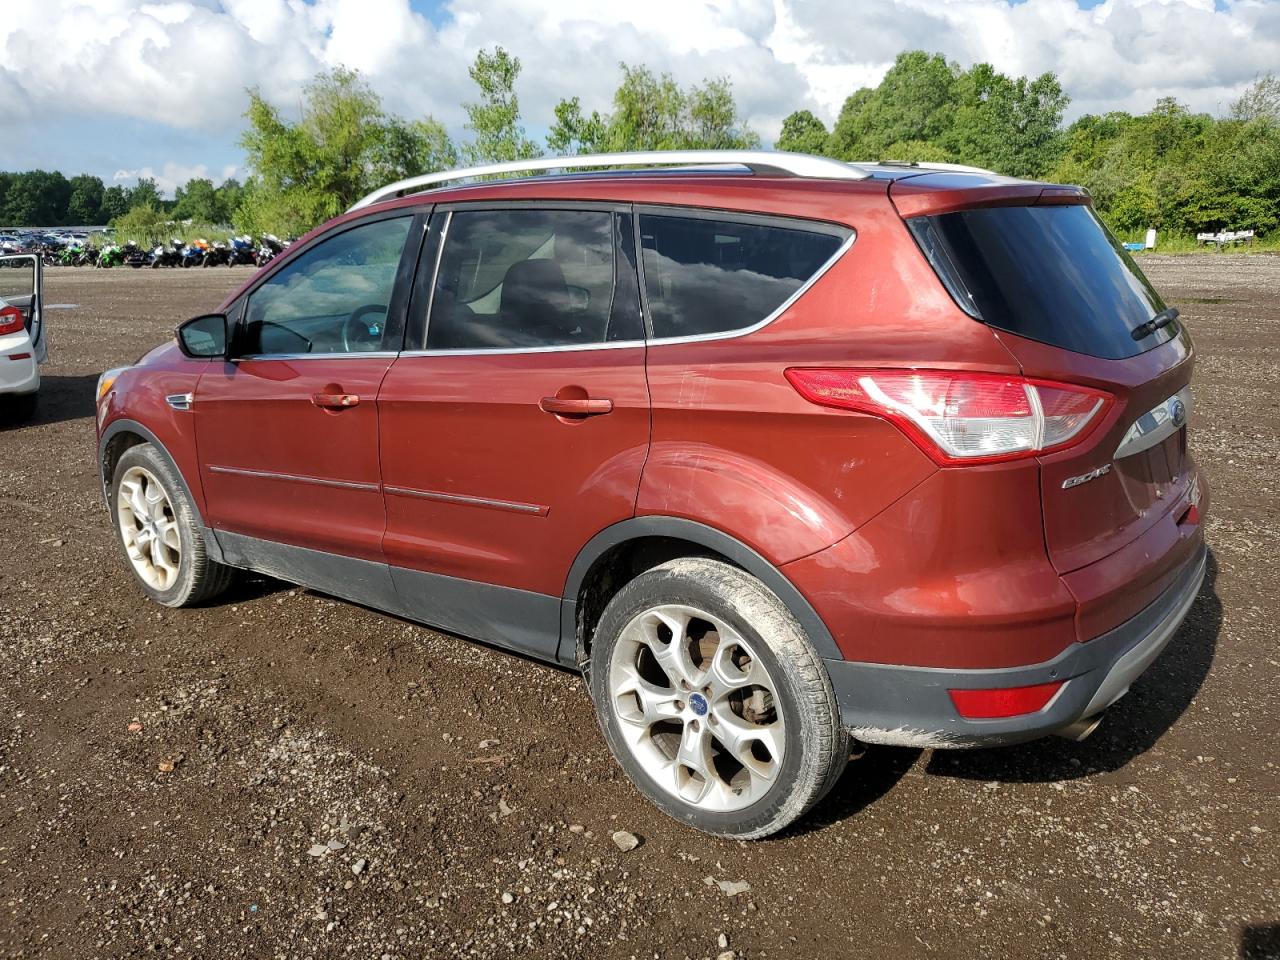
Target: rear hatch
(1065, 298)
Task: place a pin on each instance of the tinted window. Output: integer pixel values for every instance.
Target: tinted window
(1052, 274)
(711, 276)
(511, 279)
(331, 298)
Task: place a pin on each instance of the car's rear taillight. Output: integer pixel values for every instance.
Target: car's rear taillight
(958, 416)
(11, 321)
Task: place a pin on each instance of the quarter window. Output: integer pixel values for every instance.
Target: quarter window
(518, 279)
(713, 276)
(332, 298)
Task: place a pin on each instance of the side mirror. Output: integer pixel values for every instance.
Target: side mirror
(204, 338)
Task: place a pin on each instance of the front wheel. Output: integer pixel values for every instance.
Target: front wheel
(162, 540)
(714, 701)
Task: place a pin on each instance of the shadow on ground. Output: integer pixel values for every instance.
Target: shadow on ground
(60, 399)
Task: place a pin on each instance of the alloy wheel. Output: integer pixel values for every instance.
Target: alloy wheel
(697, 708)
(149, 528)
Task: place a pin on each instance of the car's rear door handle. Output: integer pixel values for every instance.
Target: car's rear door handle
(574, 407)
(335, 401)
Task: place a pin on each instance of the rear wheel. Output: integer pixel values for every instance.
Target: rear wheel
(714, 701)
(158, 531)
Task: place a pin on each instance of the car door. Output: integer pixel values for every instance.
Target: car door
(287, 428)
(517, 427)
(22, 287)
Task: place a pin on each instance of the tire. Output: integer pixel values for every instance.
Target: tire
(751, 677)
(181, 572)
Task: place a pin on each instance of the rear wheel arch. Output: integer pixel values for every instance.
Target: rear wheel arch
(621, 552)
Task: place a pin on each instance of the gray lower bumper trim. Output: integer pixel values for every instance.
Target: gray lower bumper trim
(910, 706)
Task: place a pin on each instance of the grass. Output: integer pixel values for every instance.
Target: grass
(1185, 243)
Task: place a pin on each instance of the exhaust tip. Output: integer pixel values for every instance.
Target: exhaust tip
(1081, 729)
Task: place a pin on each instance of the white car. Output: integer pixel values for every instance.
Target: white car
(24, 345)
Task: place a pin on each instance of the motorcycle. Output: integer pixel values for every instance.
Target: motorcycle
(217, 255)
(111, 256)
(170, 256)
(242, 252)
(270, 248)
(193, 254)
(135, 256)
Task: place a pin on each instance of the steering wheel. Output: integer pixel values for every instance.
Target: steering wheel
(359, 334)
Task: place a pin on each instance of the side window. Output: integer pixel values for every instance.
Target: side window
(511, 279)
(332, 298)
(714, 276)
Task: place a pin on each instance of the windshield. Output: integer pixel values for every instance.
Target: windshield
(1048, 273)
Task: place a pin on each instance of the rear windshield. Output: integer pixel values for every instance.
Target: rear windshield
(1053, 274)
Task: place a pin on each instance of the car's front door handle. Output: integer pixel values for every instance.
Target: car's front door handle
(574, 407)
(335, 401)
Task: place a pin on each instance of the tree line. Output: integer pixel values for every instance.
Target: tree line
(1170, 168)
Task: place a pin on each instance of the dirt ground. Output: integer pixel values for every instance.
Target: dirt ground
(312, 779)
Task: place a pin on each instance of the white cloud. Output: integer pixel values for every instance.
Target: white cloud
(173, 175)
(185, 63)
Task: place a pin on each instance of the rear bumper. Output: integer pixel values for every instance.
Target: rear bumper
(910, 706)
(18, 376)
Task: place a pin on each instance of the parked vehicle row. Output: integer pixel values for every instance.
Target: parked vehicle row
(80, 250)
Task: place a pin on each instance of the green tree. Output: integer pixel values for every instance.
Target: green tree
(343, 146)
(115, 202)
(197, 201)
(145, 194)
(84, 207)
(494, 119)
(914, 102)
(573, 133)
(652, 112)
(36, 198)
(802, 132)
(1260, 102)
(1012, 126)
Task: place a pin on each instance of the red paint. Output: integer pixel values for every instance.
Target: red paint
(473, 427)
(260, 416)
(1004, 702)
(500, 468)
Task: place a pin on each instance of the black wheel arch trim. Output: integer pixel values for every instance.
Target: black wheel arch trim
(698, 533)
(117, 427)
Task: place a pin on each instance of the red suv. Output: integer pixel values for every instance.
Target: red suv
(776, 450)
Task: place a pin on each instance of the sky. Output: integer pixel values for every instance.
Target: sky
(129, 88)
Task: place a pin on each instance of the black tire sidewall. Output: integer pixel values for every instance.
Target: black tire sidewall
(662, 586)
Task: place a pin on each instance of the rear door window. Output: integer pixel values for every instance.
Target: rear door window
(1048, 273)
(533, 278)
(712, 276)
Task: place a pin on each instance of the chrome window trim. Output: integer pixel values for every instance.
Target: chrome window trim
(1154, 426)
(369, 355)
(655, 210)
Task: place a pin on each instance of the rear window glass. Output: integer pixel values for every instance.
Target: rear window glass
(1052, 274)
(715, 276)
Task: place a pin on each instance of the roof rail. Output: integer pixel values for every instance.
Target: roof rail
(925, 165)
(757, 161)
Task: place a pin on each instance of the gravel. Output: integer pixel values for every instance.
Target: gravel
(293, 721)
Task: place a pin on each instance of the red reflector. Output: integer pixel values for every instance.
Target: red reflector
(19, 356)
(1003, 702)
